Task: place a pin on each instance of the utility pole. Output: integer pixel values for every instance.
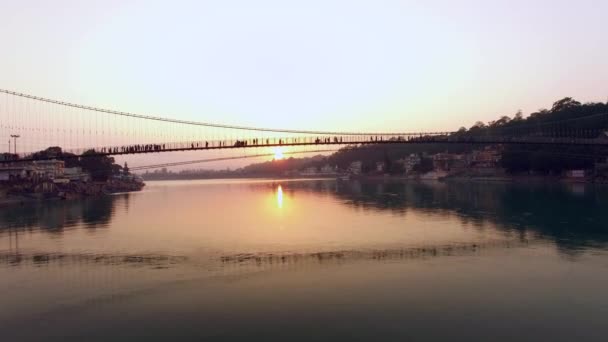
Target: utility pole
(15, 136)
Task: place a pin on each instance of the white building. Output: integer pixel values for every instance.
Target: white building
(18, 171)
(75, 174)
(355, 168)
(409, 162)
(309, 171)
(576, 174)
(328, 170)
(12, 173)
(49, 168)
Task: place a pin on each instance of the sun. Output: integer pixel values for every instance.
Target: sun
(278, 153)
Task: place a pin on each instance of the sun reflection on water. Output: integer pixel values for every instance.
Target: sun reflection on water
(280, 197)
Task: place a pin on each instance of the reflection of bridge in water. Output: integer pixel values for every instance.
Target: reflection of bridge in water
(272, 260)
(16, 257)
(263, 260)
(113, 278)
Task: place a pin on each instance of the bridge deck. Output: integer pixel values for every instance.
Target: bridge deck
(303, 142)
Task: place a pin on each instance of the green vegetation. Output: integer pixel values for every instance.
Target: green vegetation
(566, 118)
(101, 168)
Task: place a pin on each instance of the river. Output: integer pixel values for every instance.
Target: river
(309, 260)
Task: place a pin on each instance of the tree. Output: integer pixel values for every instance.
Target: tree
(503, 121)
(514, 160)
(387, 162)
(425, 165)
(100, 167)
(396, 169)
(565, 103)
(519, 116)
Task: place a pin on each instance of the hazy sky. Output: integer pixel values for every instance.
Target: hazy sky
(339, 65)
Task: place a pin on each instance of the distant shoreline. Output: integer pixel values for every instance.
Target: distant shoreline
(497, 179)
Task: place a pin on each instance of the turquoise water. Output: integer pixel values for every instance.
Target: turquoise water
(309, 260)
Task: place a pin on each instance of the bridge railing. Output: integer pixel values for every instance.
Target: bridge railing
(433, 138)
(209, 144)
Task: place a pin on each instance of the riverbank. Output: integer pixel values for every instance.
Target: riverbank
(489, 179)
(23, 193)
(527, 179)
(485, 178)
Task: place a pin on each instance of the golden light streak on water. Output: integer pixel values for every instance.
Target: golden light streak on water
(280, 197)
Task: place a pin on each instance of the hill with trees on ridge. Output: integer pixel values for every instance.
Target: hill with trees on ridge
(567, 117)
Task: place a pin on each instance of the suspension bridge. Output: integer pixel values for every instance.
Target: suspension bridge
(30, 124)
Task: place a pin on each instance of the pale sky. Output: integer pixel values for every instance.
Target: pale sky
(325, 65)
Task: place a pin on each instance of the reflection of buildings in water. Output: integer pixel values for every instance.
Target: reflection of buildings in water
(55, 216)
(379, 189)
(13, 241)
(355, 187)
(551, 211)
(98, 211)
(577, 188)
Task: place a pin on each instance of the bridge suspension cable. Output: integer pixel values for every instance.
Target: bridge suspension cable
(197, 123)
(41, 122)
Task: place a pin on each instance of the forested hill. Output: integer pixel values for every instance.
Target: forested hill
(566, 117)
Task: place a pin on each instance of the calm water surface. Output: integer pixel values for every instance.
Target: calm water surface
(309, 260)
